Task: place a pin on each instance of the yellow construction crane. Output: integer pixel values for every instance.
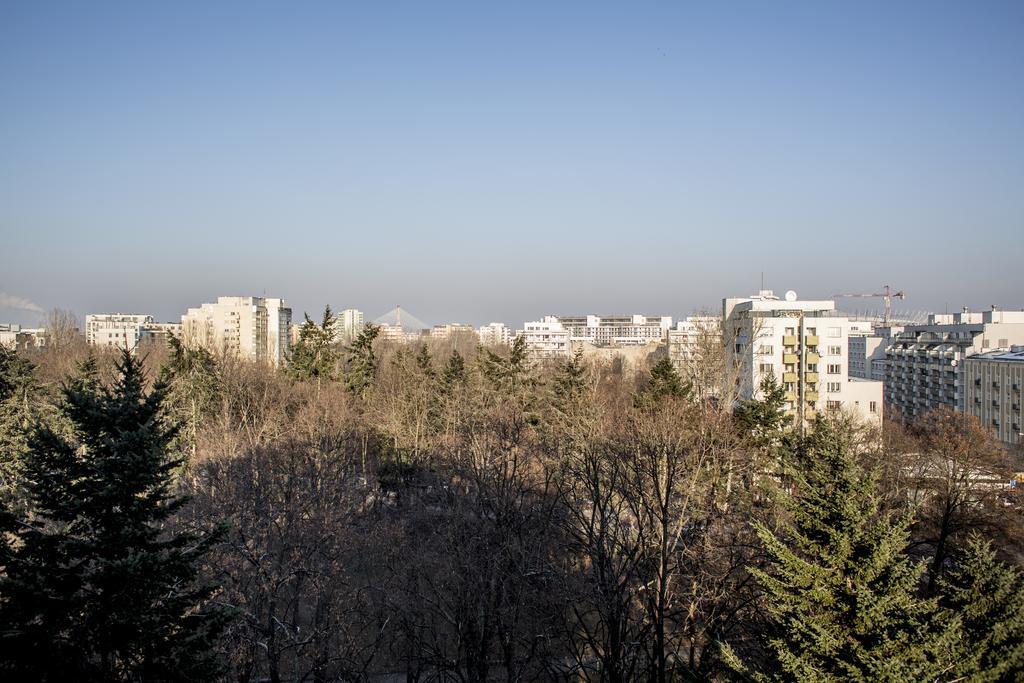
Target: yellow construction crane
(887, 295)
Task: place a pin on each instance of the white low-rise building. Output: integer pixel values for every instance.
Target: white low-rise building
(804, 345)
(251, 327)
(546, 338)
(120, 330)
(615, 330)
(451, 329)
(495, 334)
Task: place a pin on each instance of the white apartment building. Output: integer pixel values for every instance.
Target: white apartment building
(992, 391)
(687, 339)
(615, 330)
(803, 344)
(349, 324)
(867, 352)
(546, 338)
(495, 334)
(925, 363)
(251, 327)
(18, 338)
(154, 333)
(120, 330)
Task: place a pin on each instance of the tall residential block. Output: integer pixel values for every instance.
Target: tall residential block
(803, 344)
(349, 324)
(255, 328)
(925, 363)
(993, 383)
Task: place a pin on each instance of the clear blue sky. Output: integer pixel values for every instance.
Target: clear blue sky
(499, 161)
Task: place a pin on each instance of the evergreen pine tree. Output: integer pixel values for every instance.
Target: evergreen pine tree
(764, 420)
(570, 384)
(840, 592)
(665, 383)
(361, 370)
(19, 409)
(192, 382)
(94, 588)
(987, 595)
(454, 372)
(314, 356)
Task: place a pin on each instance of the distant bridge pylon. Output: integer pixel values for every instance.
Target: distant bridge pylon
(400, 318)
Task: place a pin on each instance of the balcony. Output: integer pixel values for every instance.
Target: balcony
(813, 358)
(788, 377)
(789, 340)
(790, 358)
(811, 395)
(811, 377)
(811, 340)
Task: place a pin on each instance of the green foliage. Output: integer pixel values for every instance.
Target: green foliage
(840, 592)
(454, 372)
(508, 374)
(665, 383)
(764, 420)
(361, 361)
(19, 409)
(192, 383)
(315, 355)
(570, 383)
(94, 587)
(987, 595)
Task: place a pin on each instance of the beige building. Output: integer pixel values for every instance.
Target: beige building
(803, 344)
(18, 338)
(451, 329)
(925, 363)
(255, 328)
(992, 392)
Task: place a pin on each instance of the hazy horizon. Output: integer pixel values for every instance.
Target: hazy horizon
(479, 163)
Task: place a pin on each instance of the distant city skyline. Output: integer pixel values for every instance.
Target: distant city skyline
(478, 163)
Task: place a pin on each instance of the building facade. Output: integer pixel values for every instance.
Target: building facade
(992, 392)
(615, 330)
(495, 334)
(925, 363)
(18, 338)
(120, 330)
(804, 346)
(349, 324)
(451, 329)
(867, 352)
(546, 339)
(254, 328)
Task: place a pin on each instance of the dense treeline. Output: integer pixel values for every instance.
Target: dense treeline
(448, 512)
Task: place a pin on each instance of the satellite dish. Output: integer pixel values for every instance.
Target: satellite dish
(791, 295)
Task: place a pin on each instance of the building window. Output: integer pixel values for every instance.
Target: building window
(873, 407)
(765, 368)
(834, 387)
(834, 369)
(835, 350)
(767, 350)
(833, 405)
(835, 332)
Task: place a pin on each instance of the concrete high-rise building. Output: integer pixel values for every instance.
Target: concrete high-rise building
(495, 334)
(925, 363)
(803, 344)
(546, 338)
(867, 352)
(349, 324)
(615, 330)
(993, 383)
(255, 328)
(121, 330)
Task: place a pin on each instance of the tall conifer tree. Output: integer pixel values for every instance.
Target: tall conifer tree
(93, 586)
